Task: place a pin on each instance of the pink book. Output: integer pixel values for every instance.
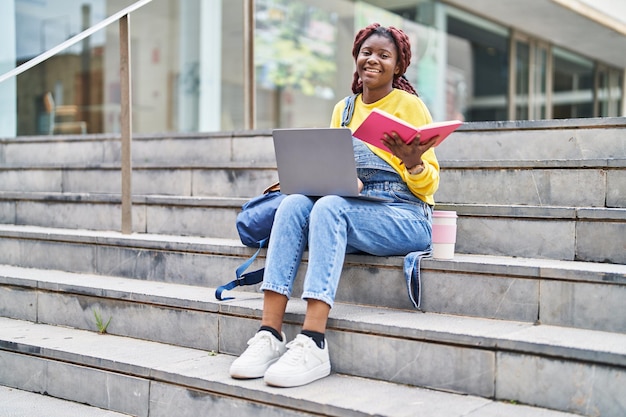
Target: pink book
(379, 122)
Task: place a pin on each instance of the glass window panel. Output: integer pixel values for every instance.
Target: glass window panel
(429, 71)
(619, 93)
(522, 78)
(296, 62)
(72, 80)
(609, 91)
(572, 85)
(483, 50)
(187, 65)
(540, 82)
(8, 90)
(304, 63)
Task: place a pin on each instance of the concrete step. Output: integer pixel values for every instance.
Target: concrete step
(537, 140)
(538, 183)
(533, 140)
(19, 403)
(143, 378)
(591, 234)
(224, 180)
(566, 183)
(176, 148)
(517, 163)
(156, 214)
(575, 294)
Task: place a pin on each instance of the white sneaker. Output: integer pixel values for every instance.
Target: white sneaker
(304, 362)
(263, 350)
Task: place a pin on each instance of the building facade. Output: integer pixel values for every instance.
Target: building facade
(489, 60)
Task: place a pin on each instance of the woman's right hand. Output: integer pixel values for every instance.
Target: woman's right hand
(410, 154)
(360, 184)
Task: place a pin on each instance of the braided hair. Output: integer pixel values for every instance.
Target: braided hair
(400, 39)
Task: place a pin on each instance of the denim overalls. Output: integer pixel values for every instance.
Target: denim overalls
(332, 226)
(380, 179)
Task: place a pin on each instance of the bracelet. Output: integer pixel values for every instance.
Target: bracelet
(420, 168)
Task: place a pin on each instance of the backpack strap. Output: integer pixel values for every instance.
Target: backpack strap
(348, 110)
(250, 278)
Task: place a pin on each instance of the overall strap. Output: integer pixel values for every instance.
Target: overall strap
(348, 110)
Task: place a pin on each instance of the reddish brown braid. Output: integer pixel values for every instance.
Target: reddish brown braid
(400, 39)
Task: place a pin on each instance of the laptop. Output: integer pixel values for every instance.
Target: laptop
(317, 162)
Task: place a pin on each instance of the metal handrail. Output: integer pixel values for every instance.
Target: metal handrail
(72, 41)
(125, 91)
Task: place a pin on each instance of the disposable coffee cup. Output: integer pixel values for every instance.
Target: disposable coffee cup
(444, 234)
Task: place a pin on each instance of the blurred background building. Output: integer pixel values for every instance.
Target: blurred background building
(474, 60)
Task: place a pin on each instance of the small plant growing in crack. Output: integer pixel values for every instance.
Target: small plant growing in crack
(101, 325)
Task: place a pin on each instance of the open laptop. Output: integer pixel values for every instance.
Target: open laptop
(317, 162)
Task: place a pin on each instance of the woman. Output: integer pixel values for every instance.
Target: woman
(332, 226)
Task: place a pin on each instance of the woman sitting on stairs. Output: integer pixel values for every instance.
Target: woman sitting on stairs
(332, 226)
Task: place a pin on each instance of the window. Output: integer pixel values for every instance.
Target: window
(479, 51)
(608, 88)
(530, 92)
(573, 85)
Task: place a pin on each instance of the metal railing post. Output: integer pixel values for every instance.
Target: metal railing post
(126, 124)
(249, 86)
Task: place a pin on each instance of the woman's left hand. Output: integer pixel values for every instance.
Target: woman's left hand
(410, 154)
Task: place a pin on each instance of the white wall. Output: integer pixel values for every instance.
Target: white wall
(613, 8)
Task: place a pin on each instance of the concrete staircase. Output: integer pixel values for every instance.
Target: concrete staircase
(528, 319)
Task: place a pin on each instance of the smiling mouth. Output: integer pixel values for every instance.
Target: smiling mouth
(373, 70)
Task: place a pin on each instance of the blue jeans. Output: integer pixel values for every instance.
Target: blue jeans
(332, 226)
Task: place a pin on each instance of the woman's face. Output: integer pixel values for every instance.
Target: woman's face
(377, 62)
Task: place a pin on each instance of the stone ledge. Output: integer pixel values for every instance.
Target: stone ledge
(109, 198)
(549, 163)
(592, 272)
(23, 403)
(474, 164)
(535, 212)
(581, 123)
(586, 123)
(146, 166)
(492, 210)
(201, 375)
(568, 343)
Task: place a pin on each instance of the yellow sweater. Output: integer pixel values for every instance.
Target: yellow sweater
(412, 109)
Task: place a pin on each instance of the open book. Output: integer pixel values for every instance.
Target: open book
(379, 122)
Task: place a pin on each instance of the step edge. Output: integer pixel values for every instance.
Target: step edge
(437, 328)
(575, 271)
(200, 377)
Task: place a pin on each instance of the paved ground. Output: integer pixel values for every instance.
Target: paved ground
(17, 403)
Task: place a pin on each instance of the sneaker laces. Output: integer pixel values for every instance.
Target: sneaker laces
(299, 350)
(259, 342)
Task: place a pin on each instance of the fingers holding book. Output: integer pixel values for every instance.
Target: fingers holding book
(410, 153)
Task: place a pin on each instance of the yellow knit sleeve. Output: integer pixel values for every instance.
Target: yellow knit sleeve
(412, 109)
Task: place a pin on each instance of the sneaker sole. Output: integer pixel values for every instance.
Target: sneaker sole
(249, 372)
(287, 381)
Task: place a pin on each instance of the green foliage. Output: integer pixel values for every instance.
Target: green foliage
(102, 327)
